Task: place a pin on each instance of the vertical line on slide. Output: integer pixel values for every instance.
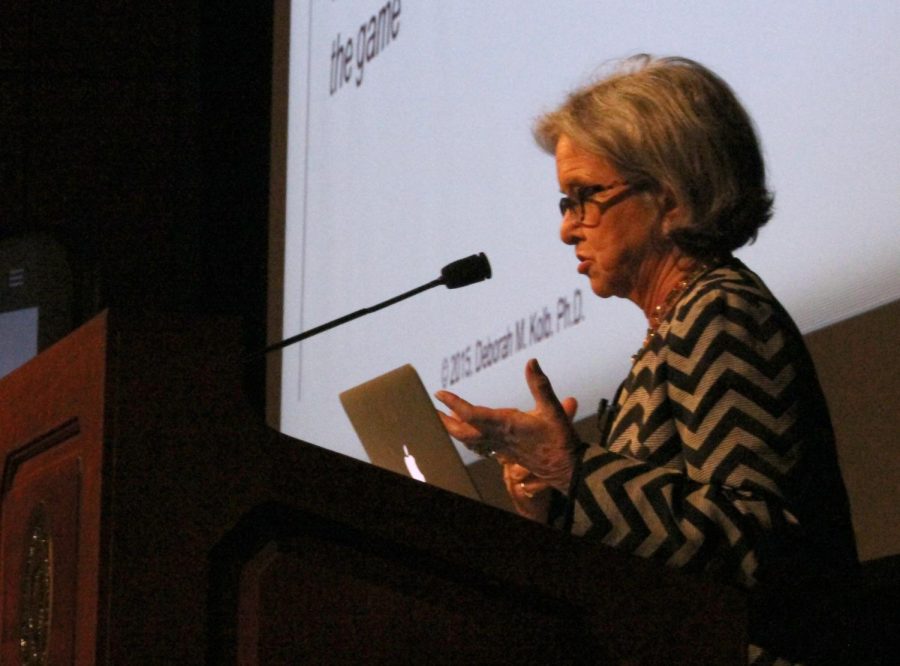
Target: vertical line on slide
(303, 263)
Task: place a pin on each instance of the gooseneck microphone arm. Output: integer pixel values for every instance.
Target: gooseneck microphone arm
(460, 273)
(348, 317)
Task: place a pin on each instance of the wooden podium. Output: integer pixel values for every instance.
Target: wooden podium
(149, 516)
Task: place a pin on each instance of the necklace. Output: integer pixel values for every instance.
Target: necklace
(662, 310)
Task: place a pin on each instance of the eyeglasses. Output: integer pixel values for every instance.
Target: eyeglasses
(584, 195)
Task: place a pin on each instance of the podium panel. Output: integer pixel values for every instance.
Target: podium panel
(40, 552)
(149, 516)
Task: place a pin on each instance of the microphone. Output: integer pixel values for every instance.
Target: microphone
(464, 272)
(459, 273)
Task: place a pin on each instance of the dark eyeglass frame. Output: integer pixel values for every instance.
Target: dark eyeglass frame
(584, 194)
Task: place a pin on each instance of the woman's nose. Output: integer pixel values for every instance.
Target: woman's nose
(567, 228)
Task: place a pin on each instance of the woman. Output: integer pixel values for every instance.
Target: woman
(717, 452)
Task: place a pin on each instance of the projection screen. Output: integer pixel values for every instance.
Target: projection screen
(404, 142)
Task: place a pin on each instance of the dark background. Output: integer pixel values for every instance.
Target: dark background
(136, 135)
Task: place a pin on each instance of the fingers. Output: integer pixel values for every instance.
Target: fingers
(529, 495)
(533, 487)
(493, 424)
(460, 430)
(539, 385)
(541, 388)
(520, 480)
(514, 473)
(539, 438)
(457, 425)
(570, 407)
(475, 427)
(454, 402)
(464, 411)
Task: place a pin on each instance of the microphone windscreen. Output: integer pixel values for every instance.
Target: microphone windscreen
(466, 271)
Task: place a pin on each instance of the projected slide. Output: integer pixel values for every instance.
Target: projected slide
(409, 146)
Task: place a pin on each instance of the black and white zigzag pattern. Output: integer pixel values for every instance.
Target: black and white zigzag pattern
(697, 467)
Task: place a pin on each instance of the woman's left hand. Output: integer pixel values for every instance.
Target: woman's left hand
(542, 440)
(531, 496)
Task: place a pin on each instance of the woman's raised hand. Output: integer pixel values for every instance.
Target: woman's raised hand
(542, 440)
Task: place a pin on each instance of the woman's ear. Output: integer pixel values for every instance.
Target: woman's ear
(671, 213)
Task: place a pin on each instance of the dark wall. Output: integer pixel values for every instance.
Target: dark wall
(856, 362)
(136, 135)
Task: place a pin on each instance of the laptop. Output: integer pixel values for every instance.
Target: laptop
(395, 420)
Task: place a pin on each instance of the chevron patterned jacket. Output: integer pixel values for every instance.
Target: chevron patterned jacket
(719, 454)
